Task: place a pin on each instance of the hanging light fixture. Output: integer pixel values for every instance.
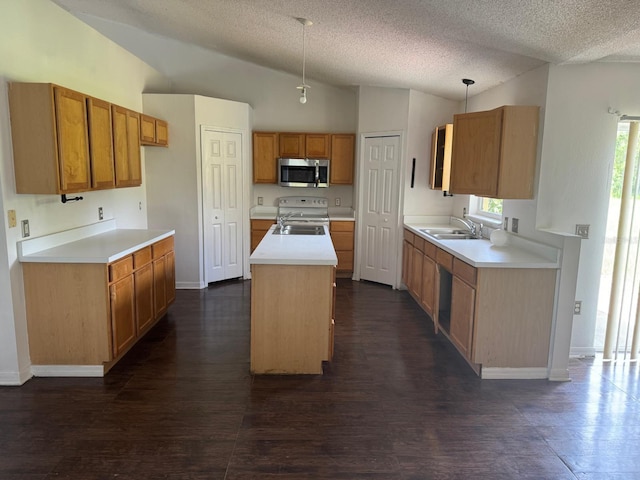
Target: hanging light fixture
(467, 82)
(303, 87)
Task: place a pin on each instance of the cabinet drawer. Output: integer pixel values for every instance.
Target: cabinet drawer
(120, 268)
(418, 242)
(464, 271)
(141, 257)
(162, 247)
(429, 249)
(340, 226)
(445, 259)
(409, 236)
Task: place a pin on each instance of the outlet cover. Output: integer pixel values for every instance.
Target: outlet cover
(260, 200)
(25, 228)
(12, 219)
(582, 230)
(577, 308)
(505, 224)
(514, 225)
(337, 201)
(100, 213)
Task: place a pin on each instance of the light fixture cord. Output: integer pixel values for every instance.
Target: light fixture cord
(303, 55)
(465, 99)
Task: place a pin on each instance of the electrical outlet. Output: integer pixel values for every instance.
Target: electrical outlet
(582, 230)
(260, 200)
(25, 228)
(337, 201)
(514, 225)
(505, 224)
(100, 214)
(577, 308)
(12, 219)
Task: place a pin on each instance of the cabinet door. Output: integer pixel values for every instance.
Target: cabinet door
(170, 270)
(416, 273)
(265, 157)
(462, 312)
(73, 140)
(406, 263)
(440, 171)
(428, 283)
(143, 283)
(101, 144)
(162, 133)
(126, 147)
(147, 130)
(159, 286)
(476, 153)
(318, 145)
(292, 145)
(342, 159)
(259, 228)
(123, 323)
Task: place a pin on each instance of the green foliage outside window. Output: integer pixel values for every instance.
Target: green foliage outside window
(492, 205)
(618, 165)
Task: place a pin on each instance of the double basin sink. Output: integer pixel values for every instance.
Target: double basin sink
(299, 230)
(444, 233)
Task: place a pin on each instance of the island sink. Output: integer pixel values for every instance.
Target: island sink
(299, 230)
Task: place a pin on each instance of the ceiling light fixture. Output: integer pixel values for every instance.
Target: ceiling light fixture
(467, 82)
(303, 87)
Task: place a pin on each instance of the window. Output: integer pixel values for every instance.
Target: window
(490, 207)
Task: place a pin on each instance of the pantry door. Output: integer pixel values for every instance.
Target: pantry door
(222, 204)
(379, 183)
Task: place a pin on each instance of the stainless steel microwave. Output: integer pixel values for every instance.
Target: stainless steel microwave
(303, 172)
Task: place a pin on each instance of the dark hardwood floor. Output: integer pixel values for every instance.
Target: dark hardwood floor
(397, 402)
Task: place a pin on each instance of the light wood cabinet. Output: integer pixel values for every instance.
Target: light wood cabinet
(50, 135)
(494, 152)
(153, 131)
(259, 229)
(126, 141)
(100, 144)
(441, 144)
(495, 317)
(265, 157)
(342, 236)
(304, 145)
(91, 314)
(291, 145)
(162, 276)
(342, 159)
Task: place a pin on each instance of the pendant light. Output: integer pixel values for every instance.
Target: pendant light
(303, 87)
(467, 82)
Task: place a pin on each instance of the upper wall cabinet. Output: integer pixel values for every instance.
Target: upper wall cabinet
(126, 141)
(153, 131)
(100, 144)
(265, 157)
(494, 152)
(440, 170)
(342, 158)
(269, 146)
(50, 135)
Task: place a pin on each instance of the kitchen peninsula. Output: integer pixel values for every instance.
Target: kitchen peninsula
(292, 299)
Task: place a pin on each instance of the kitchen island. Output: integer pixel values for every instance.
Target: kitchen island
(292, 298)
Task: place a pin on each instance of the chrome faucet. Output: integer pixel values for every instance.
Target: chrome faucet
(283, 218)
(473, 228)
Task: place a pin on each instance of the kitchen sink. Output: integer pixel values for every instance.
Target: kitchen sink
(299, 230)
(444, 233)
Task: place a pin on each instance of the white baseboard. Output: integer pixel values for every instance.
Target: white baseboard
(559, 375)
(67, 370)
(190, 285)
(503, 373)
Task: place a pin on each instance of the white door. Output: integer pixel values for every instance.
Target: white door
(222, 209)
(380, 184)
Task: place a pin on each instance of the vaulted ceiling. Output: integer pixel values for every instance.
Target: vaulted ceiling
(426, 45)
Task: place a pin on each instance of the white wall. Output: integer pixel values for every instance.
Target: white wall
(577, 161)
(46, 44)
(174, 174)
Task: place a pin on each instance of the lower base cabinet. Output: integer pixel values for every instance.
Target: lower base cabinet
(259, 229)
(495, 317)
(342, 236)
(84, 314)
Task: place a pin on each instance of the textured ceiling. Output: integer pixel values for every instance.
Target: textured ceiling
(427, 45)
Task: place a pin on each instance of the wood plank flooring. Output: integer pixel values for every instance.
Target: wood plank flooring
(396, 403)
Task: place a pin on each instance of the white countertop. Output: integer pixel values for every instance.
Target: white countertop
(102, 247)
(294, 250)
(519, 253)
(335, 213)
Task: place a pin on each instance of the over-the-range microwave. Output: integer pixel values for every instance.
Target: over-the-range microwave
(303, 172)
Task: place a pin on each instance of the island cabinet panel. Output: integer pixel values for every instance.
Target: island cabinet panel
(265, 157)
(286, 337)
(494, 152)
(90, 314)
